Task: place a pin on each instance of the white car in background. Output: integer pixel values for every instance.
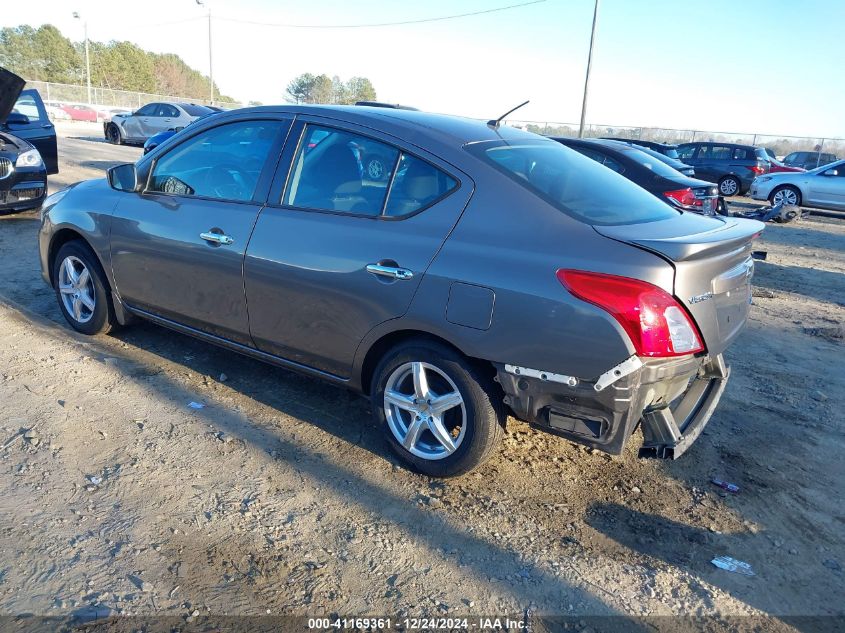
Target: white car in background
(149, 120)
(55, 111)
(823, 187)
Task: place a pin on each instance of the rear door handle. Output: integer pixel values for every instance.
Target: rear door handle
(394, 272)
(217, 238)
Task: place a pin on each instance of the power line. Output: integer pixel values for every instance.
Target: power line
(361, 26)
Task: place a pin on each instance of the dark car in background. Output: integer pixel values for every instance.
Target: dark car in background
(650, 173)
(490, 270)
(808, 160)
(667, 149)
(674, 163)
(776, 166)
(22, 114)
(733, 167)
(23, 173)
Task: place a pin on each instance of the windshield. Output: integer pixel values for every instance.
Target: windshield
(573, 183)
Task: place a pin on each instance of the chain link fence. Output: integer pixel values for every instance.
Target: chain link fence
(780, 144)
(106, 97)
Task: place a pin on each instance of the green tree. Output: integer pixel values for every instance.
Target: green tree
(308, 88)
(360, 89)
(299, 89)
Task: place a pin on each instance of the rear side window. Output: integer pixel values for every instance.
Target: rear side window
(416, 185)
(573, 183)
(720, 152)
(167, 110)
(224, 162)
(740, 153)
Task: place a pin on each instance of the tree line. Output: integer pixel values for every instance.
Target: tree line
(308, 88)
(44, 54)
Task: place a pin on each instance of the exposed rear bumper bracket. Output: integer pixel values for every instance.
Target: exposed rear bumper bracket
(668, 433)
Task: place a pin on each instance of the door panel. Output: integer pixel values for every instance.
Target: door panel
(39, 131)
(177, 249)
(310, 297)
(310, 294)
(829, 190)
(163, 266)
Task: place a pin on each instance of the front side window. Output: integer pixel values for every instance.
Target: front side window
(685, 152)
(573, 183)
(223, 162)
(329, 172)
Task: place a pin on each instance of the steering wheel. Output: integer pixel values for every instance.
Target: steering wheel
(228, 181)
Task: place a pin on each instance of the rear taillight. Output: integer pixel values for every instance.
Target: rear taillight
(684, 197)
(758, 170)
(656, 322)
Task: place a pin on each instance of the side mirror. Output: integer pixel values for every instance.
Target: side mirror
(17, 118)
(123, 177)
(831, 172)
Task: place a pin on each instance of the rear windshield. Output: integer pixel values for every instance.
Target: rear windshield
(671, 152)
(575, 184)
(196, 110)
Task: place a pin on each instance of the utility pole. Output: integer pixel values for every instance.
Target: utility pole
(589, 65)
(210, 66)
(87, 57)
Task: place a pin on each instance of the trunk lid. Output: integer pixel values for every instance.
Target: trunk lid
(713, 267)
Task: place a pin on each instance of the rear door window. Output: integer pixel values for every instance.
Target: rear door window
(329, 174)
(740, 153)
(223, 162)
(167, 110)
(720, 152)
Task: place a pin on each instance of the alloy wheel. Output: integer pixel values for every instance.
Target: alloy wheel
(787, 197)
(76, 288)
(728, 187)
(425, 410)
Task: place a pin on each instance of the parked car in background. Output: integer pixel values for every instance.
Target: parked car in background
(23, 174)
(105, 113)
(151, 119)
(80, 112)
(157, 139)
(667, 149)
(686, 170)
(55, 112)
(24, 115)
(808, 160)
(650, 173)
(491, 269)
(775, 165)
(823, 187)
(731, 166)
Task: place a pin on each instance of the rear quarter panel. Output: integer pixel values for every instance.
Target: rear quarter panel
(513, 243)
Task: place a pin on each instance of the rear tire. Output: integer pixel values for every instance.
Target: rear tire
(458, 400)
(729, 186)
(82, 289)
(787, 195)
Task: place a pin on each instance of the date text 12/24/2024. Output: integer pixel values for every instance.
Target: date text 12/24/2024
(417, 624)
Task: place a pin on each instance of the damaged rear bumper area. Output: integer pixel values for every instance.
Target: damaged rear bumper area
(671, 399)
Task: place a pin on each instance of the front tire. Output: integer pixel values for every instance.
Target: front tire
(82, 289)
(114, 136)
(786, 195)
(440, 413)
(729, 186)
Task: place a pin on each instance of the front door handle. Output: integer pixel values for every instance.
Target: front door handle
(217, 238)
(394, 272)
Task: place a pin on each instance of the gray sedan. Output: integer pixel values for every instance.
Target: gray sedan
(149, 120)
(823, 187)
(488, 271)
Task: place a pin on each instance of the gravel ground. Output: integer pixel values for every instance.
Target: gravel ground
(279, 495)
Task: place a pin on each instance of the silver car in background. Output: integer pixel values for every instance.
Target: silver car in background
(488, 270)
(823, 187)
(149, 120)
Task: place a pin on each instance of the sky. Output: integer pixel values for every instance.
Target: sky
(715, 65)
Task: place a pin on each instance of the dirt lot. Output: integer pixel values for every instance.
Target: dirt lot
(279, 496)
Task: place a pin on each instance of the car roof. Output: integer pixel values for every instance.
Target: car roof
(398, 122)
